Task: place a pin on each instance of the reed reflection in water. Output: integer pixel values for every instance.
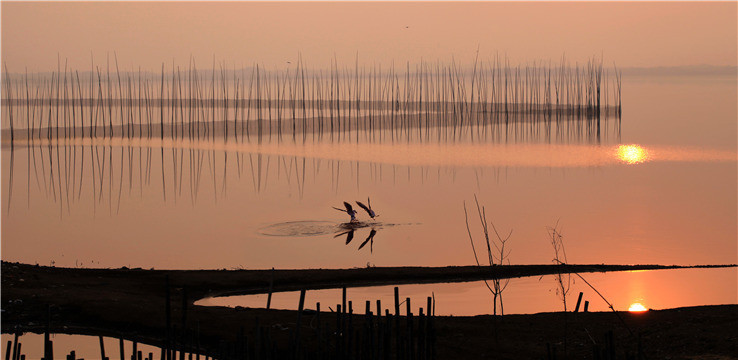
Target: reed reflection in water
(115, 165)
(177, 171)
(105, 176)
(158, 198)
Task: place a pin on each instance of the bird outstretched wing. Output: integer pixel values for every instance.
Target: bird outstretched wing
(338, 209)
(363, 206)
(349, 209)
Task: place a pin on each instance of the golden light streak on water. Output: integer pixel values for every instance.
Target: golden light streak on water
(432, 154)
(632, 154)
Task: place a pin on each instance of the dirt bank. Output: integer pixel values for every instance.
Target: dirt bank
(131, 303)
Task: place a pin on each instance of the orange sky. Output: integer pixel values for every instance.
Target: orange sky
(147, 33)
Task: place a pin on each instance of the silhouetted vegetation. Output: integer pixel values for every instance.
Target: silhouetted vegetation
(201, 105)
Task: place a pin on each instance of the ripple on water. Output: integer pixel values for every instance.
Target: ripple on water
(315, 228)
(299, 228)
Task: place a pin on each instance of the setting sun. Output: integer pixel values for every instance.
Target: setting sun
(632, 154)
(251, 142)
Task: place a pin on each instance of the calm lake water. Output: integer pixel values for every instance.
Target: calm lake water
(668, 199)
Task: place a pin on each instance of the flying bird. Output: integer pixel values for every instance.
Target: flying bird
(349, 210)
(368, 209)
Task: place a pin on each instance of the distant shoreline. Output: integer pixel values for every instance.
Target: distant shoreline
(215, 282)
(702, 69)
(689, 70)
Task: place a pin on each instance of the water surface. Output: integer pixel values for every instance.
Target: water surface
(654, 187)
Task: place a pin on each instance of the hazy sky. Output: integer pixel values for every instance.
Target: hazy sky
(148, 33)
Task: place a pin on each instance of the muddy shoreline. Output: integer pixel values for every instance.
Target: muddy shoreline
(131, 303)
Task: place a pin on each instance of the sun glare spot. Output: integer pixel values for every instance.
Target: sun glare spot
(632, 154)
(637, 307)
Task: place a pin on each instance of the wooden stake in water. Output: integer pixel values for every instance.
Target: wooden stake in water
(271, 287)
(297, 328)
(168, 317)
(15, 345)
(579, 301)
(398, 342)
(102, 348)
(343, 299)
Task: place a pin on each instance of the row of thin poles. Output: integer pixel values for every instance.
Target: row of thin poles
(48, 353)
(339, 334)
(378, 333)
(187, 103)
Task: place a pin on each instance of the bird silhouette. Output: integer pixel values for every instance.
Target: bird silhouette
(368, 209)
(349, 235)
(349, 210)
(368, 239)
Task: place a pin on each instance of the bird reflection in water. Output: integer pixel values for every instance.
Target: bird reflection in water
(350, 236)
(370, 240)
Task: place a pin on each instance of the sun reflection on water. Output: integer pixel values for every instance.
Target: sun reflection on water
(632, 154)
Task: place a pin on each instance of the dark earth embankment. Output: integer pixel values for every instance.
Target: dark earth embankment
(131, 303)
